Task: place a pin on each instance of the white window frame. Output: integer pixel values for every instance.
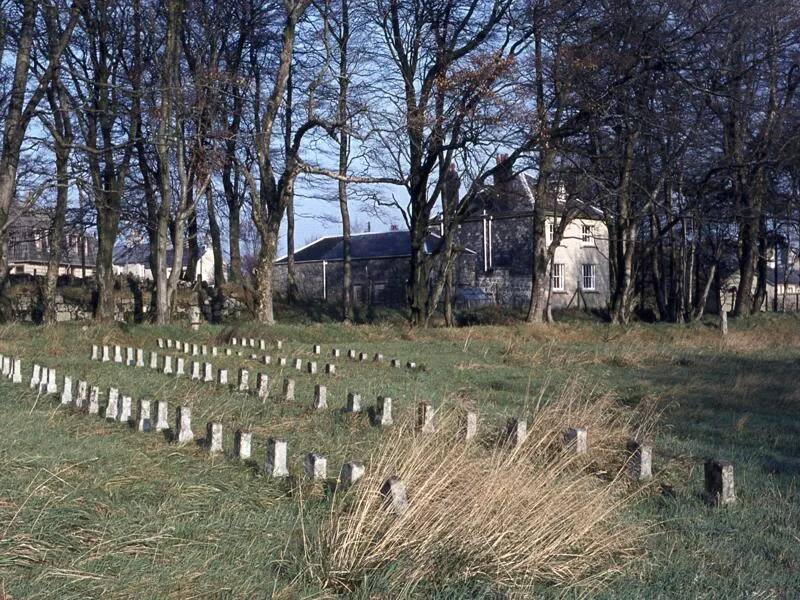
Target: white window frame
(587, 233)
(590, 277)
(557, 277)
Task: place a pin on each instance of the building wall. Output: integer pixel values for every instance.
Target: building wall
(39, 269)
(205, 269)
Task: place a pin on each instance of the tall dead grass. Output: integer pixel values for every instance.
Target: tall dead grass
(512, 518)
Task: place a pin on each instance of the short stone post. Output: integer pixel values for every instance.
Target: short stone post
(279, 344)
(194, 316)
(170, 343)
(276, 458)
(282, 362)
(160, 342)
(396, 363)
(640, 464)
(195, 350)
(234, 341)
(320, 397)
(266, 359)
(577, 438)
(383, 411)
(112, 408)
(363, 356)
(16, 374)
(117, 354)
(330, 369)
(316, 466)
(130, 357)
(43, 381)
(162, 415)
(222, 376)
(208, 372)
(204, 349)
(143, 422)
(396, 497)
(243, 384)
(214, 437)
(66, 391)
(516, 432)
(196, 370)
(351, 354)
(214, 351)
(167, 364)
(183, 424)
(125, 409)
(242, 444)
(94, 401)
(352, 471)
(36, 376)
(353, 403)
(312, 367)
(425, 415)
(298, 364)
(179, 367)
(154, 360)
(335, 353)
(228, 352)
(317, 349)
(95, 352)
(378, 357)
(83, 394)
(719, 482)
(52, 386)
(106, 354)
(139, 357)
(262, 385)
(288, 389)
(469, 425)
(411, 365)
(262, 344)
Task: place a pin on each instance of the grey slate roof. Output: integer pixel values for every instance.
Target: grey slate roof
(132, 254)
(387, 244)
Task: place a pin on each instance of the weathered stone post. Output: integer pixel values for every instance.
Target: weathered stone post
(378, 357)
(363, 356)
(298, 364)
(214, 351)
(143, 422)
(262, 385)
(352, 471)
(43, 381)
(316, 466)
(317, 349)
(320, 397)
(167, 364)
(106, 354)
(396, 363)
(266, 359)
(411, 365)
(262, 344)
(279, 344)
(312, 367)
(95, 352)
(234, 341)
(66, 392)
(640, 464)
(36, 376)
(288, 389)
(94, 401)
(383, 411)
(719, 482)
(195, 350)
(170, 343)
(194, 315)
(425, 416)
(117, 354)
(244, 380)
(282, 362)
(183, 424)
(208, 372)
(578, 438)
(723, 321)
(516, 432)
(242, 444)
(179, 367)
(125, 409)
(52, 386)
(16, 374)
(130, 358)
(222, 376)
(353, 403)
(154, 360)
(83, 394)
(203, 349)
(394, 492)
(112, 408)
(139, 357)
(351, 354)
(214, 437)
(196, 370)
(162, 415)
(276, 458)
(335, 353)
(160, 342)
(469, 425)
(330, 369)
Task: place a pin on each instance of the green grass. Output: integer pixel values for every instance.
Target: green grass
(90, 509)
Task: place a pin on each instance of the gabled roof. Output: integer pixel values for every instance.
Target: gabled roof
(139, 253)
(386, 244)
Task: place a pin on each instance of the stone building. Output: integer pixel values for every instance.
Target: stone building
(29, 248)
(380, 268)
(132, 257)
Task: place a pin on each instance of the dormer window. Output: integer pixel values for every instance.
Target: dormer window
(587, 234)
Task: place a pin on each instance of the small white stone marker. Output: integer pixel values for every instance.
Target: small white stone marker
(139, 357)
(320, 397)
(125, 408)
(252, 342)
(516, 431)
(160, 342)
(195, 350)
(234, 342)
(95, 352)
(167, 364)
(363, 357)
(214, 437)
(222, 377)
(396, 497)
(130, 357)
(43, 381)
(117, 354)
(244, 380)
(330, 369)
(169, 343)
(183, 424)
(378, 357)
(425, 418)
(179, 370)
(94, 401)
(383, 411)
(154, 360)
(288, 389)
(36, 376)
(82, 397)
(469, 425)
(640, 464)
(411, 365)
(298, 364)
(262, 385)
(52, 386)
(353, 402)
(578, 439)
(276, 458)
(144, 423)
(719, 482)
(266, 359)
(204, 349)
(352, 471)
(106, 354)
(279, 344)
(282, 362)
(162, 415)
(66, 391)
(196, 370)
(317, 349)
(194, 317)
(214, 351)
(208, 372)
(112, 408)
(351, 354)
(262, 344)
(16, 374)
(335, 353)
(312, 367)
(316, 466)
(228, 352)
(242, 444)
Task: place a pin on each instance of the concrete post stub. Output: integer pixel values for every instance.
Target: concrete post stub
(112, 408)
(353, 402)
(516, 432)
(66, 391)
(719, 482)
(242, 444)
(312, 367)
(276, 458)
(214, 437)
(93, 407)
(143, 422)
(162, 415)
(125, 409)
(222, 377)
(383, 411)
(183, 424)
(316, 466)
(640, 464)
(167, 364)
(469, 425)
(425, 418)
(243, 384)
(320, 397)
(288, 389)
(330, 369)
(396, 497)
(352, 471)
(578, 439)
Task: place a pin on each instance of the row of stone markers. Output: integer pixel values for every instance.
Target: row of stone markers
(11, 368)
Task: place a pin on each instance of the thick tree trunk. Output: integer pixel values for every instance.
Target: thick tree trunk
(344, 154)
(193, 246)
(107, 227)
(418, 277)
(748, 254)
(291, 274)
(234, 237)
(216, 239)
(56, 237)
(263, 277)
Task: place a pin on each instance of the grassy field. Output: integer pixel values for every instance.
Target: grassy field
(91, 509)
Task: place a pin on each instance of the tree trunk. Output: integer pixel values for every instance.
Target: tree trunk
(107, 227)
(216, 239)
(418, 276)
(748, 253)
(263, 276)
(193, 246)
(344, 154)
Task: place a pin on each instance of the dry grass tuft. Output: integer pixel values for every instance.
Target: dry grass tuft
(510, 518)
